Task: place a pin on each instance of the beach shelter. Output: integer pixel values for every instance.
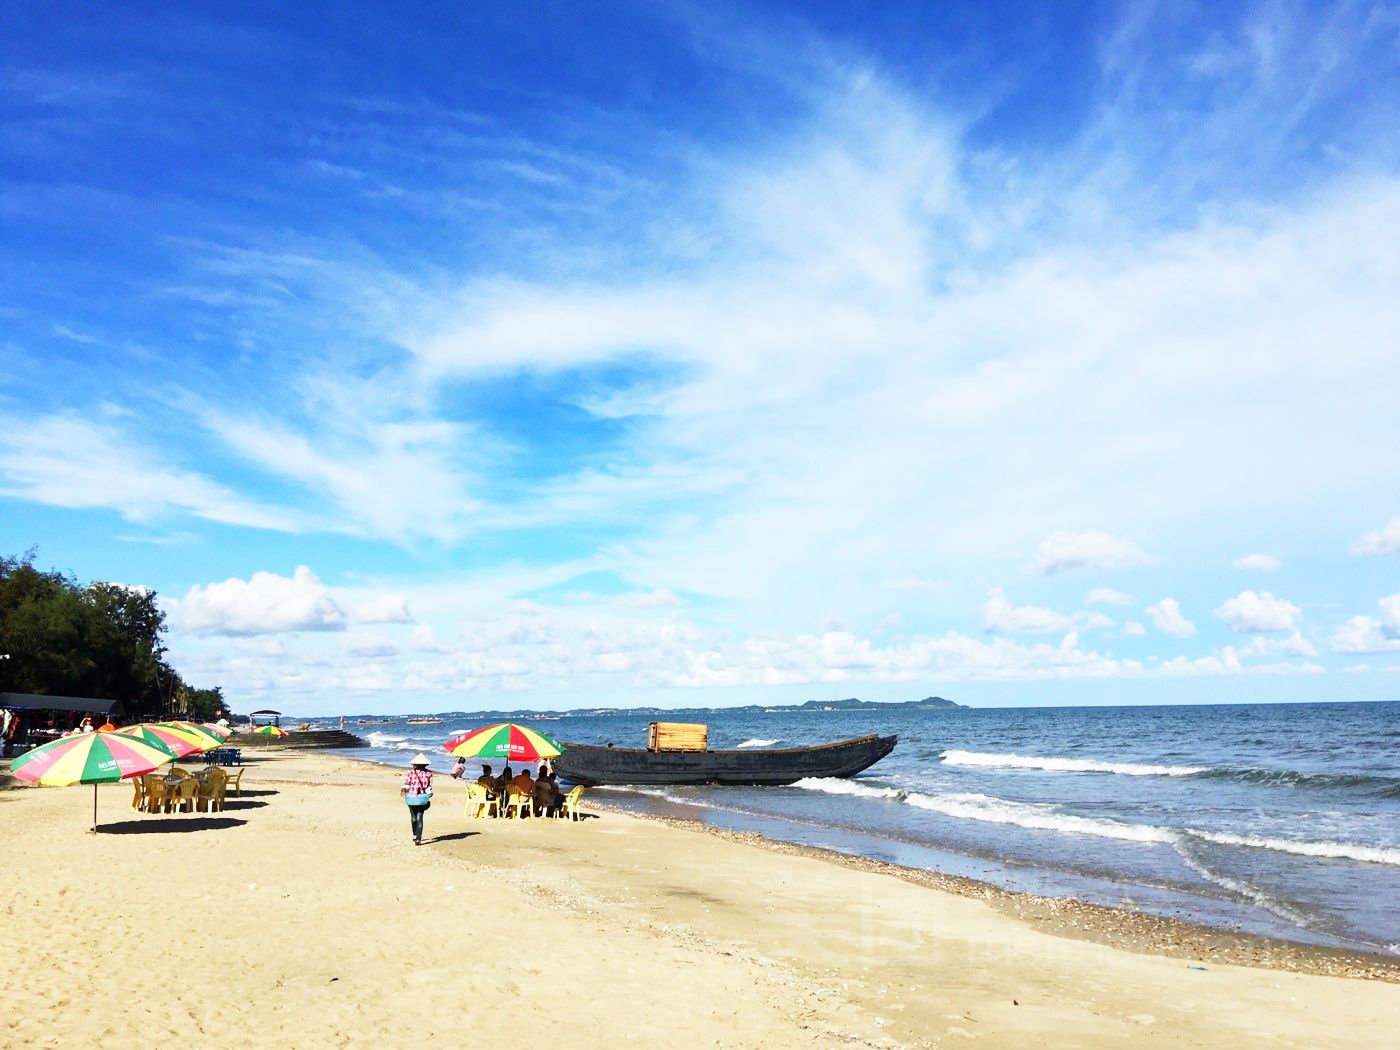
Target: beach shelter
(270, 731)
(505, 740)
(90, 758)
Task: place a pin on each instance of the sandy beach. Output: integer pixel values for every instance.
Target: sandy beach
(303, 916)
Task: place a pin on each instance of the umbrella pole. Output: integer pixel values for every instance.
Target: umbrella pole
(94, 809)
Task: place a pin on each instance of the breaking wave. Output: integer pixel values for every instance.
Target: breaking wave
(1066, 765)
(756, 742)
(1385, 787)
(1045, 816)
(389, 742)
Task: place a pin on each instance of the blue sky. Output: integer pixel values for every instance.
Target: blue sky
(539, 355)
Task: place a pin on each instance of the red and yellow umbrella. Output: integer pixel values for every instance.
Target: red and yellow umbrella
(270, 731)
(201, 737)
(178, 744)
(507, 740)
(90, 758)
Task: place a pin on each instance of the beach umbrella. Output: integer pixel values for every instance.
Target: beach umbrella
(507, 740)
(196, 734)
(178, 744)
(270, 731)
(89, 758)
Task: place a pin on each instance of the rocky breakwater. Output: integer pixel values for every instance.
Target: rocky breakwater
(318, 738)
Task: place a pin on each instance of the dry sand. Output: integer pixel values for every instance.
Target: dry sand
(303, 916)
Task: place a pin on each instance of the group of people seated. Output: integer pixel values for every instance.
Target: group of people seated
(542, 789)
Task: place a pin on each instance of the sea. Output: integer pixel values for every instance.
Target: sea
(1277, 819)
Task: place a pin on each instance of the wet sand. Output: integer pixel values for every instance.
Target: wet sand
(304, 916)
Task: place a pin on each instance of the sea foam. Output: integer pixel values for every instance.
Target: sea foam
(1066, 765)
(756, 742)
(1044, 816)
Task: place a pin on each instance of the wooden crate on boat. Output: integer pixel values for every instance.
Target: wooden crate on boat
(678, 736)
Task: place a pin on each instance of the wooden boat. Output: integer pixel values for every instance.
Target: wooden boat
(591, 765)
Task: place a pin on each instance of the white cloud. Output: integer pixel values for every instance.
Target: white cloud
(263, 604)
(1258, 563)
(1108, 596)
(1370, 634)
(369, 645)
(39, 462)
(1133, 629)
(1294, 645)
(1000, 616)
(1063, 551)
(1385, 540)
(1249, 611)
(1166, 614)
(382, 608)
(655, 599)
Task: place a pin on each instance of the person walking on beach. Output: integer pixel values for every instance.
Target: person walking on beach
(417, 792)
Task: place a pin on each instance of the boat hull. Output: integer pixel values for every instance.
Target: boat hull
(592, 766)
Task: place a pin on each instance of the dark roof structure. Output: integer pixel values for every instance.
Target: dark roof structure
(36, 702)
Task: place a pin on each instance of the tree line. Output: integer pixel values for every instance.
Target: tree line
(59, 637)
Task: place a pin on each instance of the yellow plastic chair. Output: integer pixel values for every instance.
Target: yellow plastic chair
(519, 804)
(481, 803)
(183, 794)
(138, 801)
(210, 795)
(235, 780)
(569, 807)
(157, 798)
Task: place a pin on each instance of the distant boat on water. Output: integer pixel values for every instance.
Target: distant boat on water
(426, 721)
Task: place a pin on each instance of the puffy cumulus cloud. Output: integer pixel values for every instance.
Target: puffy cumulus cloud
(1249, 612)
(423, 640)
(1000, 616)
(1384, 540)
(382, 608)
(1371, 634)
(1133, 629)
(1066, 551)
(1258, 563)
(265, 603)
(1294, 645)
(531, 648)
(1108, 596)
(1227, 662)
(1167, 615)
(369, 645)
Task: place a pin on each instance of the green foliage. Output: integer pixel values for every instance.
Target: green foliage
(103, 640)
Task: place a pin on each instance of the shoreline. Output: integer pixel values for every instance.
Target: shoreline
(1129, 929)
(319, 923)
(1124, 928)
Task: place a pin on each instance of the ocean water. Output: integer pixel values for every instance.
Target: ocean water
(1281, 819)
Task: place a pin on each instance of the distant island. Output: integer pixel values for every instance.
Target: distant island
(928, 703)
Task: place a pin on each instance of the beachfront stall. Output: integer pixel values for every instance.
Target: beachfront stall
(28, 720)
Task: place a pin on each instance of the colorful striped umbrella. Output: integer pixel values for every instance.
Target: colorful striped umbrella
(196, 734)
(271, 731)
(507, 740)
(159, 736)
(89, 758)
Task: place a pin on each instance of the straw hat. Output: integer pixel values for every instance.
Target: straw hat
(419, 760)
